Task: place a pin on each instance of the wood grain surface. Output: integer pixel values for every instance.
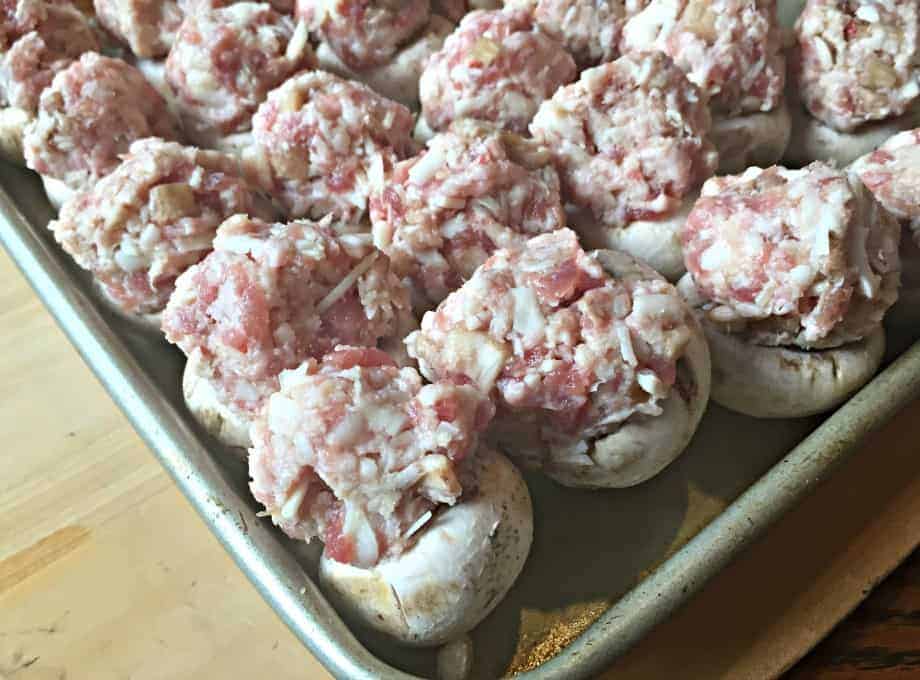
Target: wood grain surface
(879, 641)
(107, 573)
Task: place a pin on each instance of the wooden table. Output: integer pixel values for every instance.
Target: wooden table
(879, 641)
(107, 573)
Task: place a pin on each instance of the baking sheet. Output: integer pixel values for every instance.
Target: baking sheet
(605, 567)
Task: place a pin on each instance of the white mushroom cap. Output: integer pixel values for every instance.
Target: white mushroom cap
(644, 445)
(757, 138)
(12, 124)
(786, 382)
(656, 242)
(58, 193)
(463, 563)
(225, 424)
(812, 140)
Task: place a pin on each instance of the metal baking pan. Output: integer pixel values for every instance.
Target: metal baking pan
(605, 566)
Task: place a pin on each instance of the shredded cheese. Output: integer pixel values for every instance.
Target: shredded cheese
(345, 284)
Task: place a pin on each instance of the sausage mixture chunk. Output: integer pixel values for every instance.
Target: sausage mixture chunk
(892, 174)
(148, 27)
(89, 116)
(589, 30)
(321, 143)
(564, 348)
(364, 33)
(272, 295)
(57, 34)
(455, 10)
(192, 6)
(858, 61)
(792, 257)
(731, 49)
(155, 215)
(359, 453)
(18, 17)
(498, 67)
(629, 138)
(225, 61)
(442, 213)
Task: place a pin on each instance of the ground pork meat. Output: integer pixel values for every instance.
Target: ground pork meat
(364, 33)
(731, 49)
(321, 143)
(629, 138)
(892, 174)
(57, 37)
(224, 62)
(18, 17)
(93, 111)
(858, 61)
(497, 66)
(557, 341)
(272, 295)
(397, 78)
(148, 27)
(792, 257)
(442, 213)
(193, 6)
(358, 453)
(146, 222)
(589, 29)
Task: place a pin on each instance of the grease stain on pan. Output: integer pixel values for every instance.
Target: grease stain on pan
(544, 634)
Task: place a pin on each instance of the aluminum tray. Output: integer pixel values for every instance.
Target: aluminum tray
(605, 566)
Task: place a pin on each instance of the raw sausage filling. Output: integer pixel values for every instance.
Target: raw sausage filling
(357, 452)
(557, 341)
(801, 257)
(272, 295)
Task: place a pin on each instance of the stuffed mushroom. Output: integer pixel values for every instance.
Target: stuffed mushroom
(382, 44)
(589, 31)
(630, 142)
(497, 67)
(440, 214)
(155, 215)
(268, 297)
(423, 531)
(791, 272)
(856, 70)
(892, 174)
(598, 368)
(223, 63)
(321, 143)
(730, 49)
(38, 39)
(398, 77)
(87, 118)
